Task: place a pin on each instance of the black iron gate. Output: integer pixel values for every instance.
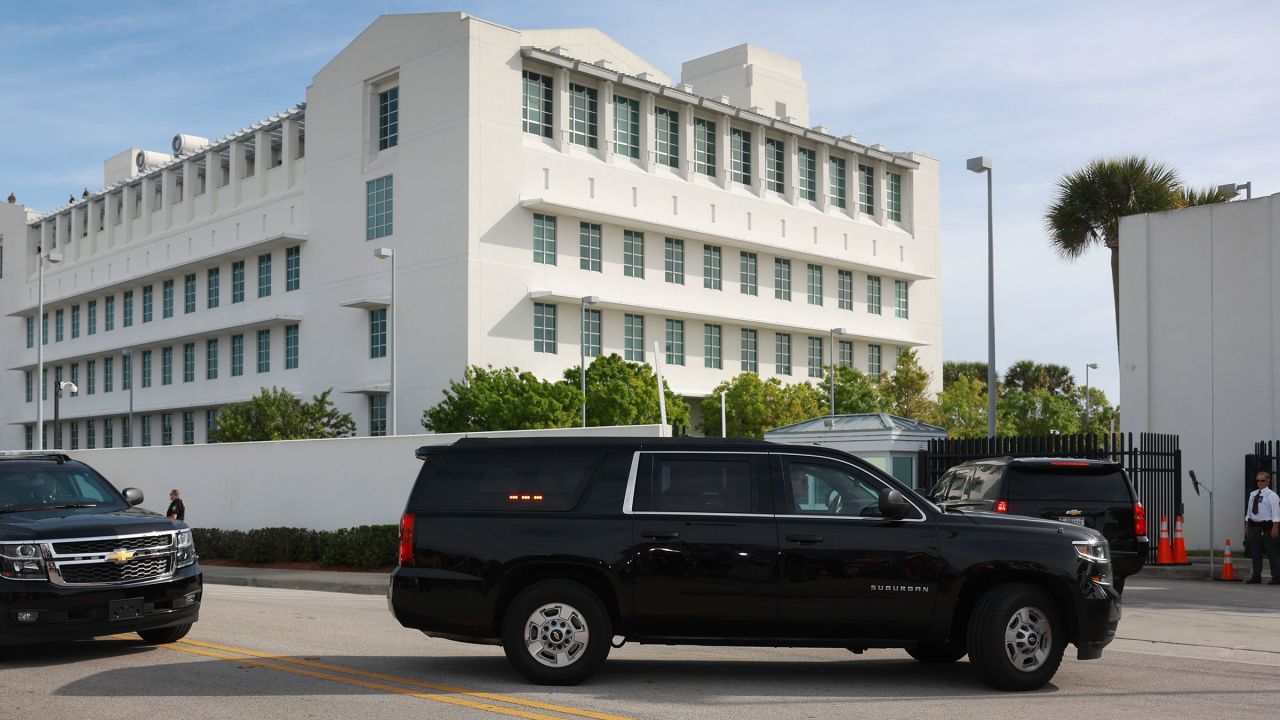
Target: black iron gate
(1154, 464)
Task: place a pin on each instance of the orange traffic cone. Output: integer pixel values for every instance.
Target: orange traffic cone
(1179, 546)
(1228, 570)
(1164, 555)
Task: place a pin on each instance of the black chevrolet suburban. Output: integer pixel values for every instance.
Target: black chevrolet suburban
(78, 559)
(554, 547)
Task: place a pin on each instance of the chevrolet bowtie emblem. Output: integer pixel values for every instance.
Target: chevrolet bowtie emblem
(121, 557)
(1074, 512)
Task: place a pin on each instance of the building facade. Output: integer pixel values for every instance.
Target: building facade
(512, 174)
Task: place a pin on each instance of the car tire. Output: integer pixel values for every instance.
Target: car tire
(1006, 637)
(165, 635)
(933, 654)
(556, 633)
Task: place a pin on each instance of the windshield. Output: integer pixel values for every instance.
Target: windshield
(47, 484)
(1054, 483)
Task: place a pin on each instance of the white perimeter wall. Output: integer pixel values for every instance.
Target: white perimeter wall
(317, 484)
(1199, 350)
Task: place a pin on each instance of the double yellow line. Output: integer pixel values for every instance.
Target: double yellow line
(489, 702)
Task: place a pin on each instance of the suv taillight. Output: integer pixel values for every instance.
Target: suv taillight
(1001, 506)
(1139, 519)
(406, 539)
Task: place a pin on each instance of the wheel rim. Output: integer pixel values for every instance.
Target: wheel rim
(1028, 638)
(556, 635)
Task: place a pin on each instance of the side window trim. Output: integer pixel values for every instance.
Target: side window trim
(853, 470)
(642, 462)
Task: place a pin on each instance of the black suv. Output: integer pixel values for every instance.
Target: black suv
(553, 547)
(79, 560)
(1090, 493)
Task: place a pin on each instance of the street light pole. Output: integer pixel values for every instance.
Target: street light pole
(53, 256)
(982, 164)
(383, 253)
(57, 395)
(831, 353)
(1093, 366)
(582, 350)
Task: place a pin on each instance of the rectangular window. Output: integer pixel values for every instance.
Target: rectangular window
(544, 239)
(58, 323)
(211, 359)
(44, 384)
(31, 331)
(839, 182)
(846, 353)
(748, 273)
(109, 314)
(264, 351)
(591, 333)
(740, 156)
(237, 282)
(189, 362)
(711, 267)
(873, 361)
(807, 173)
(815, 357)
(633, 337)
(167, 305)
(633, 253)
(126, 431)
(75, 436)
(750, 350)
(844, 289)
(775, 173)
(544, 328)
(237, 355)
(31, 383)
(675, 342)
(189, 293)
(866, 189)
(146, 368)
(893, 196)
(210, 425)
(704, 147)
(126, 372)
(666, 125)
(291, 347)
(675, 261)
(713, 357)
(589, 247)
(148, 295)
(292, 268)
(537, 104)
(873, 294)
(264, 275)
(91, 376)
(108, 374)
(166, 428)
(30, 431)
(901, 296)
(781, 279)
(782, 353)
(214, 291)
(626, 126)
(583, 116)
(108, 432)
(44, 329)
(813, 284)
(75, 378)
(377, 415)
(388, 118)
(188, 427)
(379, 207)
(166, 366)
(91, 434)
(75, 321)
(378, 333)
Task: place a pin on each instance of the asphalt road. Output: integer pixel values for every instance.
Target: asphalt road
(1186, 649)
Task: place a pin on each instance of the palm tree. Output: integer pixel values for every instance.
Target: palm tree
(1091, 201)
(1206, 196)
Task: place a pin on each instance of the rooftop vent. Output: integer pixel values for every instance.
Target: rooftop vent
(684, 87)
(188, 144)
(821, 129)
(146, 160)
(850, 138)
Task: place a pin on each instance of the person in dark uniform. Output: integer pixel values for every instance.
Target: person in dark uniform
(1262, 528)
(177, 508)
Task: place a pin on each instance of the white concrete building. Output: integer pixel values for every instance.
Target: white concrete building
(512, 173)
(1199, 346)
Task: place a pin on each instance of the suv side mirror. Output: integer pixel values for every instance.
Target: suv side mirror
(133, 496)
(894, 506)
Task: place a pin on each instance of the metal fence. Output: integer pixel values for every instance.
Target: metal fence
(1154, 464)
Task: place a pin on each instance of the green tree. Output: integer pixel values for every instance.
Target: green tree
(503, 399)
(754, 405)
(856, 392)
(1031, 375)
(1101, 413)
(1201, 196)
(905, 391)
(962, 408)
(953, 370)
(1036, 412)
(275, 414)
(626, 393)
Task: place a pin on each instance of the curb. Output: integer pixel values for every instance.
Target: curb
(321, 580)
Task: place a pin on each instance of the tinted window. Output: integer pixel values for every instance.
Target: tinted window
(684, 483)
(506, 481)
(1101, 484)
(961, 484)
(817, 488)
(43, 484)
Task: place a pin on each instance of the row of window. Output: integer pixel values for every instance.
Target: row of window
(167, 360)
(545, 340)
(583, 129)
(590, 242)
(71, 439)
(168, 300)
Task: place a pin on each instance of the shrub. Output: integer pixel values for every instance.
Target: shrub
(367, 546)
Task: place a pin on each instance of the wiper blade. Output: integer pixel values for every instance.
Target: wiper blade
(22, 508)
(64, 506)
(949, 505)
(33, 508)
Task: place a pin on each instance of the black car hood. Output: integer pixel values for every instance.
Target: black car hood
(993, 519)
(71, 523)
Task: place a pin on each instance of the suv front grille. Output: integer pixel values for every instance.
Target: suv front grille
(109, 572)
(85, 547)
(112, 560)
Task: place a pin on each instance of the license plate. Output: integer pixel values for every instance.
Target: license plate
(1072, 520)
(125, 609)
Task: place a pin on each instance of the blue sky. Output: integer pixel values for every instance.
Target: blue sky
(1040, 87)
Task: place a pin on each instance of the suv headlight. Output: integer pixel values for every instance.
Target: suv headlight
(186, 549)
(1098, 554)
(22, 561)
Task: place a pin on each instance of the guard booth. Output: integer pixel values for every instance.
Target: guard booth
(889, 442)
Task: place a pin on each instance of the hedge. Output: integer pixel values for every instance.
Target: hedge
(367, 546)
